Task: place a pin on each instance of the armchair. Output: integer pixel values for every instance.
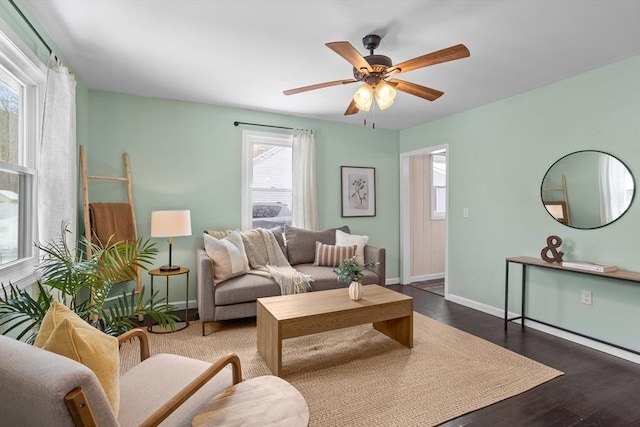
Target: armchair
(43, 388)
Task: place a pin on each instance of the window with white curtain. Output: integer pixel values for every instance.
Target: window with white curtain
(21, 85)
(266, 179)
(438, 186)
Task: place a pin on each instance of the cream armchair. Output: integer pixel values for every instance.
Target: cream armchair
(42, 388)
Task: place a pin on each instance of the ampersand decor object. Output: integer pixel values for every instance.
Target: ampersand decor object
(553, 243)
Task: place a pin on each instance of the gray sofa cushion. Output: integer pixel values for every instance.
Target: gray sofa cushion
(245, 289)
(324, 278)
(301, 243)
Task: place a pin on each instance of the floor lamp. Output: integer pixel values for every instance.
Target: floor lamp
(170, 224)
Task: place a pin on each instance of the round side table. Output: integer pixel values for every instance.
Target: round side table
(160, 273)
(260, 402)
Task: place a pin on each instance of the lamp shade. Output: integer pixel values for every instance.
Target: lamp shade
(385, 94)
(363, 97)
(170, 223)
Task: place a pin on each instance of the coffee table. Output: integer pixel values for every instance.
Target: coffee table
(291, 316)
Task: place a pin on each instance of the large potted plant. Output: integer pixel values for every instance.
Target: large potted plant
(83, 284)
(349, 271)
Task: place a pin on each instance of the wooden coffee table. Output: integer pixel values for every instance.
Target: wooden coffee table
(291, 316)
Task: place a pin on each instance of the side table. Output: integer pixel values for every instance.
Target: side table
(167, 274)
(260, 401)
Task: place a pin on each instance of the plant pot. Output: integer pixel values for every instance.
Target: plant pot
(355, 291)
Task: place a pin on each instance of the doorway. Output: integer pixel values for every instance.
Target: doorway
(424, 196)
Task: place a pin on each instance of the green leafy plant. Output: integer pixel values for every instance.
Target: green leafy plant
(350, 271)
(83, 284)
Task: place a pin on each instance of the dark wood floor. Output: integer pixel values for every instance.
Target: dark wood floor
(435, 286)
(596, 389)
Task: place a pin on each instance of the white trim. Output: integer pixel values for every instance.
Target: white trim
(423, 277)
(498, 312)
(405, 213)
(392, 281)
(21, 64)
(180, 305)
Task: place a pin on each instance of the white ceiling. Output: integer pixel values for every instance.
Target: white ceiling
(242, 53)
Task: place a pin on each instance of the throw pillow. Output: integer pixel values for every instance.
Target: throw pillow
(228, 256)
(346, 239)
(279, 235)
(301, 248)
(218, 234)
(331, 256)
(56, 313)
(74, 338)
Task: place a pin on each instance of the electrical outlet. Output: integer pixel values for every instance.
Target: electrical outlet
(585, 298)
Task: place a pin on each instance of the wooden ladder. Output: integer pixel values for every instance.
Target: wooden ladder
(85, 197)
(565, 200)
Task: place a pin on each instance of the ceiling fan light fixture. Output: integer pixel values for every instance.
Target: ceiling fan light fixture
(385, 94)
(363, 97)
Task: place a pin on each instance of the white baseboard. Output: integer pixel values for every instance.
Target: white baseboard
(614, 351)
(424, 277)
(180, 305)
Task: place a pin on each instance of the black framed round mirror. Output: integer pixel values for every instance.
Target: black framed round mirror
(587, 189)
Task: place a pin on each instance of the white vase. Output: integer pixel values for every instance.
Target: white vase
(355, 291)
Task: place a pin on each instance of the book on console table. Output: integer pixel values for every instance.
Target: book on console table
(590, 266)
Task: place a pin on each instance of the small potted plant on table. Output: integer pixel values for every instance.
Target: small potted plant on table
(349, 271)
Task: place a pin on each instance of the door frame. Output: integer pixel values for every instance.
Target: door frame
(405, 213)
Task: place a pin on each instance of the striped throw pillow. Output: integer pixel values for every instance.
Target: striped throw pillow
(330, 256)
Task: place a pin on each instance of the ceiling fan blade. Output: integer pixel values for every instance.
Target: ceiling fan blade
(318, 86)
(416, 89)
(351, 54)
(351, 109)
(449, 54)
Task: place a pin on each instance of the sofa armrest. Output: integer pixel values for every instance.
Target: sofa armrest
(205, 289)
(372, 253)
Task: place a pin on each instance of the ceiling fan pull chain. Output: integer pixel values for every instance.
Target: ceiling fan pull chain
(373, 114)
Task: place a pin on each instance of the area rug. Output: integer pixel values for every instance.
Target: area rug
(360, 377)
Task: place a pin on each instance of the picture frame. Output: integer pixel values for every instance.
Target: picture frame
(358, 191)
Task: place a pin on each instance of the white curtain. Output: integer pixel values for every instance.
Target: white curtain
(305, 199)
(612, 178)
(57, 170)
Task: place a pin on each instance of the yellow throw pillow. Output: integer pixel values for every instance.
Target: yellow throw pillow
(57, 313)
(74, 338)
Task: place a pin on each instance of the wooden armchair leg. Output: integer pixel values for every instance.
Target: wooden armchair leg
(79, 408)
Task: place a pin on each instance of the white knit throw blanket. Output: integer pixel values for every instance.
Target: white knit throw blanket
(266, 259)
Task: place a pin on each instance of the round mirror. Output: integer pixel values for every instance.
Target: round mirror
(587, 189)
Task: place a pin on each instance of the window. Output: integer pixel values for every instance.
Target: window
(438, 186)
(266, 179)
(21, 82)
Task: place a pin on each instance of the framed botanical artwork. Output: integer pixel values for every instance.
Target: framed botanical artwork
(358, 191)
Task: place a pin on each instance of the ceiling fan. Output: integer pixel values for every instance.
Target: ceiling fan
(377, 71)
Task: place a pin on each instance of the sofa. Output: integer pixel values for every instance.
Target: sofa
(236, 297)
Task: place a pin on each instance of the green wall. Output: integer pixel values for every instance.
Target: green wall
(188, 156)
(499, 154)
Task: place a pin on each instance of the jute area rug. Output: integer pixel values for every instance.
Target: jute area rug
(360, 377)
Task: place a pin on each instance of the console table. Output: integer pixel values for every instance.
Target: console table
(525, 261)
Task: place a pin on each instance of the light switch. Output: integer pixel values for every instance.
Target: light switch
(465, 212)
